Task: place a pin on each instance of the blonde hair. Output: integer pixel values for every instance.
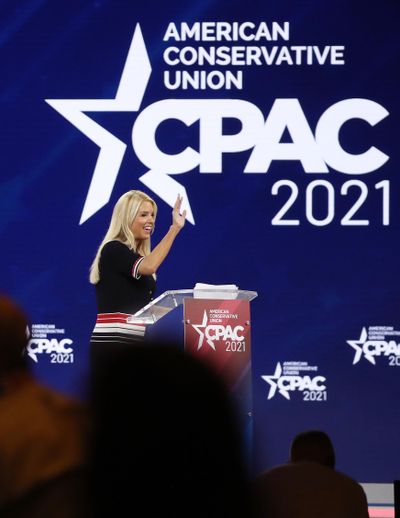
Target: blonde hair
(124, 213)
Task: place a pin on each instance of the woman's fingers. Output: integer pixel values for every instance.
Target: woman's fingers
(178, 203)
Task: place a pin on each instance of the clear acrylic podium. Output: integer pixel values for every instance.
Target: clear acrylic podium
(215, 326)
(170, 300)
(212, 324)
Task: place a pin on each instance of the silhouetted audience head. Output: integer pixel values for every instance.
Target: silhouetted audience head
(309, 486)
(165, 438)
(13, 336)
(42, 434)
(315, 446)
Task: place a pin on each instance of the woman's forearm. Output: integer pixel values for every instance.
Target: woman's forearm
(151, 262)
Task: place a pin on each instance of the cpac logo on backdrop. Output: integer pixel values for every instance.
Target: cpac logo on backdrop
(374, 344)
(43, 343)
(315, 151)
(288, 379)
(53, 347)
(231, 335)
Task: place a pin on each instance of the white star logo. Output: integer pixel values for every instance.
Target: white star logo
(31, 353)
(198, 327)
(28, 350)
(357, 345)
(273, 384)
(129, 96)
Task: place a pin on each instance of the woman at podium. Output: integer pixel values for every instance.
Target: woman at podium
(124, 268)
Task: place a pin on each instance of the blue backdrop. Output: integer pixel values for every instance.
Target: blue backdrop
(292, 182)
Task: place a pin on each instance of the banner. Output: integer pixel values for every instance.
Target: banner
(278, 123)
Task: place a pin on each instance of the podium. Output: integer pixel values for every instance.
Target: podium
(212, 325)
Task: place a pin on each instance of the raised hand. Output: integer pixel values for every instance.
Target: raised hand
(178, 218)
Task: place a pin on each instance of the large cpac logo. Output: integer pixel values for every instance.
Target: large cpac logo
(315, 151)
